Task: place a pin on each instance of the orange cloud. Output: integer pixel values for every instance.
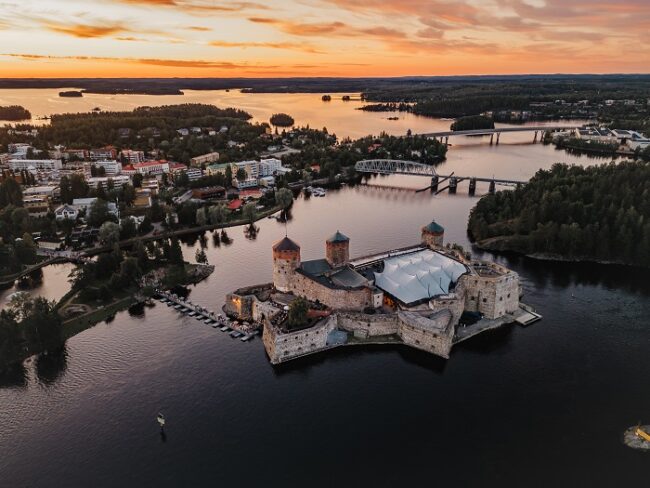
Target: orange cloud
(86, 31)
(200, 5)
(268, 45)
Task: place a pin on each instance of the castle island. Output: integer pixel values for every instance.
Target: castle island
(425, 296)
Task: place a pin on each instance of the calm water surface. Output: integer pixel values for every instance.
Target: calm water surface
(537, 406)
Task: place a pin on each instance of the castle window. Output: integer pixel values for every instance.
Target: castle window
(417, 342)
(508, 295)
(472, 298)
(500, 299)
(485, 300)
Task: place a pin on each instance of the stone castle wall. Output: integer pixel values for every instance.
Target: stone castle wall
(284, 266)
(337, 253)
(281, 347)
(364, 325)
(338, 299)
(431, 240)
(492, 296)
(431, 334)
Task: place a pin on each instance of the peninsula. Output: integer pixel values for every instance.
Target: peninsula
(425, 296)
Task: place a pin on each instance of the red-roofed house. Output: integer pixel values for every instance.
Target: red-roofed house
(152, 167)
(235, 204)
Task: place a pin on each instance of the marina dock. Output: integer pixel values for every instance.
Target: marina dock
(245, 332)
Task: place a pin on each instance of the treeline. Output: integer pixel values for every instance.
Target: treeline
(28, 326)
(14, 112)
(472, 122)
(599, 213)
(151, 128)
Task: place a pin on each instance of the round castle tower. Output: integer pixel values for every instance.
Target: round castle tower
(286, 258)
(433, 235)
(337, 250)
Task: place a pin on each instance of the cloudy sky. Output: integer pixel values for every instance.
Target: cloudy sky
(203, 38)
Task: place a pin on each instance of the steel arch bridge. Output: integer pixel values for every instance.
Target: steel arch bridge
(395, 166)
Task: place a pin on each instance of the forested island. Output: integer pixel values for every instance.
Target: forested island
(472, 122)
(71, 94)
(14, 112)
(596, 213)
(282, 120)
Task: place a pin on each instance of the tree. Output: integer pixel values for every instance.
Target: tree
(128, 228)
(218, 214)
(201, 256)
(98, 213)
(66, 190)
(109, 233)
(10, 193)
(241, 174)
(249, 212)
(284, 197)
(297, 316)
(78, 186)
(137, 180)
(201, 216)
(146, 226)
(175, 251)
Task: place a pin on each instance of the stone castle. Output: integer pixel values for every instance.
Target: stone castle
(416, 296)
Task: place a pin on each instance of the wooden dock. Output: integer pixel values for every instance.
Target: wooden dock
(217, 321)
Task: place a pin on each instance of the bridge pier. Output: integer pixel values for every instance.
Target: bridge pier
(434, 183)
(491, 138)
(472, 186)
(446, 141)
(453, 184)
(535, 138)
(498, 135)
(492, 186)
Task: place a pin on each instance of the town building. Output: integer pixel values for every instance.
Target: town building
(84, 204)
(116, 181)
(131, 156)
(103, 153)
(209, 192)
(415, 296)
(36, 205)
(35, 164)
(66, 212)
(152, 167)
(199, 161)
(215, 169)
(51, 192)
(111, 168)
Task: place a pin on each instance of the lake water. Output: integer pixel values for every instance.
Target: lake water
(539, 406)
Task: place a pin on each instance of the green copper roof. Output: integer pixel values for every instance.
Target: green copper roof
(434, 227)
(338, 237)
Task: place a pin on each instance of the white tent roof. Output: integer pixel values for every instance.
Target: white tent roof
(419, 275)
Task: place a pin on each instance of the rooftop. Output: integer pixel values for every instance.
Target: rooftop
(434, 227)
(338, 237)
(286, 244)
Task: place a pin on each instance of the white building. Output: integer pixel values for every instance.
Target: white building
(118, 181)
(112, 168)
(51, 192)
(66, 212)
(152, 167)
(103, 153)
(84, 204)
(133, 157)
(43, 164)
(268, 167)
(251, 168)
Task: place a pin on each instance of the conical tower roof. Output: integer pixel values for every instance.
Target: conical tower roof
(286, 244)
(338, 237)
(434, 227)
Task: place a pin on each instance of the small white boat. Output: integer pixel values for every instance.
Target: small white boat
(192, 314)
(161, 420)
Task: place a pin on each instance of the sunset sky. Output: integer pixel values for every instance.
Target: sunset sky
(220, 38)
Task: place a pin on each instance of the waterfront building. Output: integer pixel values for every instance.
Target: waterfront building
(416, 296)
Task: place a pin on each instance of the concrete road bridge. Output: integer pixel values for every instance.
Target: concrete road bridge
(412, 168)
(538, 130)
